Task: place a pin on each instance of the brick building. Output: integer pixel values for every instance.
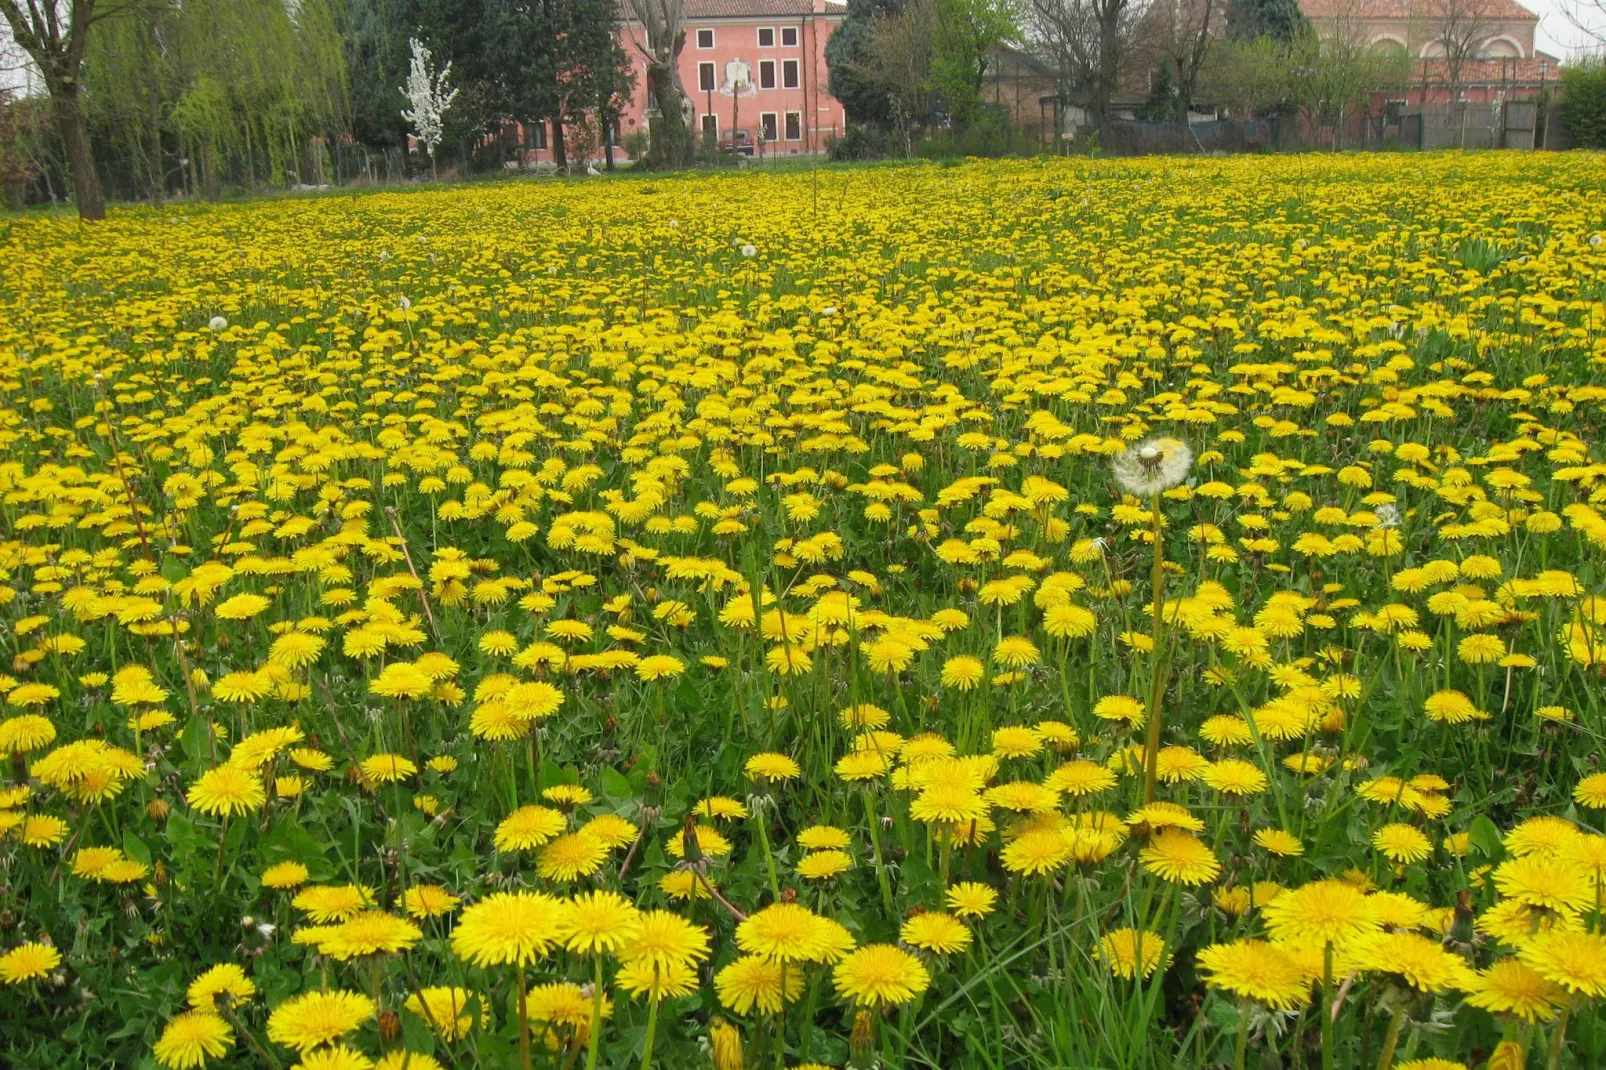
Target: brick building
(1504, 63)
(751, 65)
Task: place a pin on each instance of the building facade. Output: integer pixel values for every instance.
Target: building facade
(756, 66)
(1496, 37)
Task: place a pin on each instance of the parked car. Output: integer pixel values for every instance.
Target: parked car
(736, 143)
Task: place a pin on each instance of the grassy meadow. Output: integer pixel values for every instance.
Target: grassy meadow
(1072, 613)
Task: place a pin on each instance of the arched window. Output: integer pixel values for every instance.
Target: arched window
(1502, 47)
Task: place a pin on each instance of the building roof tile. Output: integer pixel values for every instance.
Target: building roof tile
(1408, 9)
(702, 10)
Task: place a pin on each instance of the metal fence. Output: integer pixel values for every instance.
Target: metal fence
(1134, 137)
(1461, 125)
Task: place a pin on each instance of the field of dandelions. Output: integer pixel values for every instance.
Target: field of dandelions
(1052, 614)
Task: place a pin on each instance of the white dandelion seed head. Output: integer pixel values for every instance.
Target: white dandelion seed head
(749, 251)
(217, 323)
(1153, 466)
(406, 303)
(1388, 516)
(1595, 241)
(828, 310)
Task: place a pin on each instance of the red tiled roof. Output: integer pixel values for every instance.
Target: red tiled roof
(1409, 9)
(1486, 72)
(700, 10)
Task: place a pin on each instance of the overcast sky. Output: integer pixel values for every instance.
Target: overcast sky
(1557, 34)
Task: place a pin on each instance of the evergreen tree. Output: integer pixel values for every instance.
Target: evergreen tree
(1161, 105)
(1281, 20)
(375, 38)
(846, 51)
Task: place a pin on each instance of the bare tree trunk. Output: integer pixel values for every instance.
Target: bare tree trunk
(209, 170)
(560, 151)
(75, 139)
(1109, 70)
(153, 114)
(671, 143)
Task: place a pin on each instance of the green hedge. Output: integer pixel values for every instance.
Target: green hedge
(1583, 103)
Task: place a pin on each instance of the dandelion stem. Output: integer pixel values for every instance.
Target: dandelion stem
(764, 841)
(256, 1045)
(875, 845)
(1241, 1047)
(1390, 1042)
(596, 1015)
(1151, 748)
(1328, 1056)
(1558, 1039)
(524, 1019)
(652, 1032)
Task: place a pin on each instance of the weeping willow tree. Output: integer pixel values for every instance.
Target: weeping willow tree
(195, 93)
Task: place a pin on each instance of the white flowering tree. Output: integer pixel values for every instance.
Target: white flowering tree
(428, 97)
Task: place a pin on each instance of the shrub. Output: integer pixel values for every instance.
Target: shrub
(860, 141)
(1583, 103)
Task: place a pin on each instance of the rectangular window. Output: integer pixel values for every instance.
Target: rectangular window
(766, 126)
(788, 36)
(794, 126)
(705, 38)
(535, 135)
(789, 74)
(766, 37)
(710, 128)
(613, 133)
(766, 74)
(705, 77)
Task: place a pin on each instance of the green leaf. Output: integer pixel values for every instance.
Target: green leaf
(553, 774)
(196, 740)
(1485, 838)
(192, 849)
(614, 784)
(136, 848)
(287, 841)
(235, 836)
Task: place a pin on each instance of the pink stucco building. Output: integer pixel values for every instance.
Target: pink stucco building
(752, 65)
(1503, 63)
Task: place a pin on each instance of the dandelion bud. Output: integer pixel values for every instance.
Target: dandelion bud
(1508, 1055)
(248, 923)
(726, 1042)
(861, 1045)
(157, 809)
(390, 1027)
